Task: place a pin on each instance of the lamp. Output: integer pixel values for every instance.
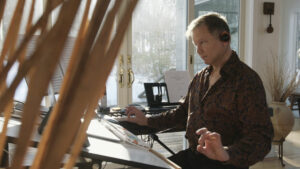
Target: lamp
(269, 10)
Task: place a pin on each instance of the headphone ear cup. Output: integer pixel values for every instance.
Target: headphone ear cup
(224, 37)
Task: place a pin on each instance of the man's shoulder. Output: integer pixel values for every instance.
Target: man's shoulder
(247, 75)
(246, 71)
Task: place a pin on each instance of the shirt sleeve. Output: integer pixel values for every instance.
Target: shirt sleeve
(175, 118)
(257, 130)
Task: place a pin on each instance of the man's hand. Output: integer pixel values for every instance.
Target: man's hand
(209, 144)
(134, 115)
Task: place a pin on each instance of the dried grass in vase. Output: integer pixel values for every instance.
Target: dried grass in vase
(282, 82)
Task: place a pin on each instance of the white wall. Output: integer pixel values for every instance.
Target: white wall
(259, 45)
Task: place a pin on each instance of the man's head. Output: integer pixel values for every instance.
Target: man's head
(211, 37)
(215, 23)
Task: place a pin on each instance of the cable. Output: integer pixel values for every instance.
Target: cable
(104, 165)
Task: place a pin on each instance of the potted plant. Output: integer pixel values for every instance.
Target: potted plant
(282, 82)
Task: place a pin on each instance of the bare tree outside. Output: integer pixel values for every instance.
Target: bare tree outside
(154, 33)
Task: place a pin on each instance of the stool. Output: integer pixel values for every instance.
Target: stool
(280, 149)
(278, 142)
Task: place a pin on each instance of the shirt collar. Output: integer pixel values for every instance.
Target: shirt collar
(230, 66)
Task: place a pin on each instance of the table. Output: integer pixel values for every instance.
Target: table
(103, 150)
(109, 148)
(141, 130)
(122, 153)
(12, 136)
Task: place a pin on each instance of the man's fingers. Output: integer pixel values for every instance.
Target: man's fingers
(208, 137)
(211, 138)
(132, 108)
(203, 134)
(129, 114)
(132, 120)
(203, 137)
(201, 149)
(201, 131)
(214, 136)
(131, 111)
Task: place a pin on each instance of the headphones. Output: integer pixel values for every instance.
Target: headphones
(224, 36)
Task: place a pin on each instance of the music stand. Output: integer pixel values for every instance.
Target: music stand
(157, 95)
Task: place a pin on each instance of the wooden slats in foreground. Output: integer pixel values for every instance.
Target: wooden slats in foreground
(91, 62)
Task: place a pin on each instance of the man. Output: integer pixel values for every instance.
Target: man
(225, 112)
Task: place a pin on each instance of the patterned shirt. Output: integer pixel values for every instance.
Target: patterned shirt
(235, 107)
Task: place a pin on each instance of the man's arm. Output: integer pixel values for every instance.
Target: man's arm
(257, 129)
(175, 118)
(172, 118)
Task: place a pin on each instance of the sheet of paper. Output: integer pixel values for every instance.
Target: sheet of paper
(177, 84)
(98, 130)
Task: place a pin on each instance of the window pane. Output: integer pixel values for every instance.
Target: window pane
(10, 9)
(298, 40)
(21, 92)
(77, 22)
(8, 14)
(228, 8)
(111, 87)
(158, 41)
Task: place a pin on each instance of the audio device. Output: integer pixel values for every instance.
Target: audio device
(224, 36)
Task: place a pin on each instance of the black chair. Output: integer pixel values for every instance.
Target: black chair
(295, 101)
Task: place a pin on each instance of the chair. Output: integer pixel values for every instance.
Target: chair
(295, 100)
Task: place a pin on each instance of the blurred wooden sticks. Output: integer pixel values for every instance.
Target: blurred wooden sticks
(92, 59)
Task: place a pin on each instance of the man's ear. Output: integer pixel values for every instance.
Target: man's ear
(224, 36)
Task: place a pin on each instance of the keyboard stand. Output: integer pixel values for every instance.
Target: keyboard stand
(155, 138)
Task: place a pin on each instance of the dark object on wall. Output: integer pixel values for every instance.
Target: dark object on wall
(269, 10)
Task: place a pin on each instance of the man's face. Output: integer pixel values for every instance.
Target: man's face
(208, 46)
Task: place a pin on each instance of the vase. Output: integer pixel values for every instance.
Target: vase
(282, 120)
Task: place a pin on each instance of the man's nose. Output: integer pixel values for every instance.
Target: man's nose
(199, 50)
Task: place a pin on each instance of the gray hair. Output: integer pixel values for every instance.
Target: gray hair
(215, 23)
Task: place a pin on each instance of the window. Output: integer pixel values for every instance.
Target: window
(21, 91)
(10, 9)
(155, 42)
(298, 40)
(158, 41)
